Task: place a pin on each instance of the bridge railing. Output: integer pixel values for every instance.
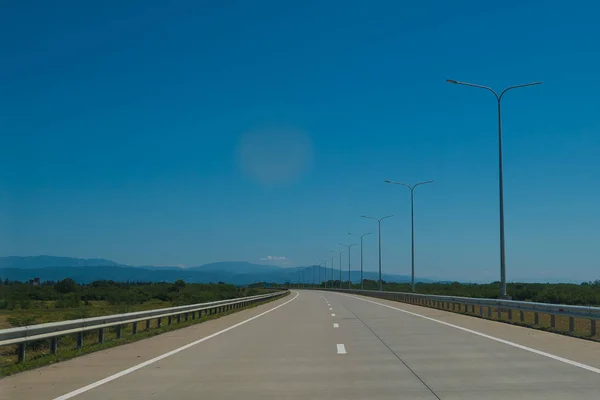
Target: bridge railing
(579, 320)
(54, 330)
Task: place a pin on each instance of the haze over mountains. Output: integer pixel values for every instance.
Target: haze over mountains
(236, 272)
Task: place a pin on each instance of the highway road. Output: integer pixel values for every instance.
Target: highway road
(322, 345)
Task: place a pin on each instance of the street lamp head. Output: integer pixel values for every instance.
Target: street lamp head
(387, 181)
(452, 81)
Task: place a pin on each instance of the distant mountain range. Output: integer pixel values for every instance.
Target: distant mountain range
(50, 261)
(235, 272)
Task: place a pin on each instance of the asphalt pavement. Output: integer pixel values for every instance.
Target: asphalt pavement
(324, 345)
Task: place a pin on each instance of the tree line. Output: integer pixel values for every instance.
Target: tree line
(69, 294)
(585, 294)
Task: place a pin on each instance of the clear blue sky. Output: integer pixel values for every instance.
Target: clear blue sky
(182, 133)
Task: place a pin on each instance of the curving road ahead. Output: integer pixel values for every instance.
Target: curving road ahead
(321, 345)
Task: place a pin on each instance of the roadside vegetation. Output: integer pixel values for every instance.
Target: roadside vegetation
(585, 294)
(24, 304)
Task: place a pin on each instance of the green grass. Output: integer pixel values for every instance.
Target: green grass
(38, 353)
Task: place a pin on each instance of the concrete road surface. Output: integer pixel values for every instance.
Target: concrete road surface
(321, 345)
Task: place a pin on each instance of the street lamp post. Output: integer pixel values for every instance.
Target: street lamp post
(332, 270)
(412, 225)
(341, 269)
(349, 246)
(501, 180)
(361, 255)
(379, 230)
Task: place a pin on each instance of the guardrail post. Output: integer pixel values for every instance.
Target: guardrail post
(22, 352)
(510, 314)
(100, 335)
(481, 311)
(193, 315)
(159, 322)
(552, 320)
(178, 318)
(54, 345)
(473, 308)
(80, 340)
(522, 316)
(571, 324)
(147, 324)
(118, 332)
(489, 312)
(186, 316)
(536, 318)
(499, 313)
(592, 327)
(134, 328)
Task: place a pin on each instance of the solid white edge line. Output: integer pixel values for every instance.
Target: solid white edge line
(165, 355)
(336, 325)
(341, 349)
(513, 344)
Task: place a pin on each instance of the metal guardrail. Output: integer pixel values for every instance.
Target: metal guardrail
(485, 307)
(54, 330)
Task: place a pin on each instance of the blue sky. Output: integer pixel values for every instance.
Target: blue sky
(185, 132)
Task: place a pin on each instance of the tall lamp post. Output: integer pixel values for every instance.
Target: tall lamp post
(349, 246)
(501, 180)
(379, 230)
(341, 269)
(332, 269)
(412, 224)
(361, 255)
